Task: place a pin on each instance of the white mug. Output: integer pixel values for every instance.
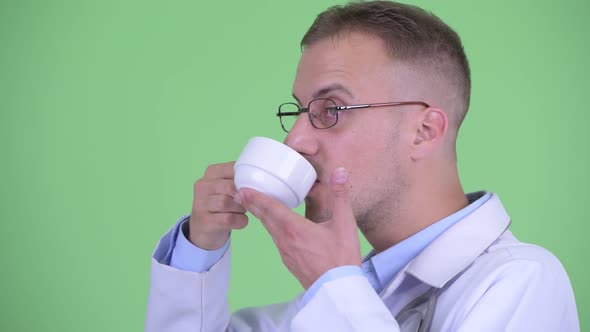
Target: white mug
(274, 169)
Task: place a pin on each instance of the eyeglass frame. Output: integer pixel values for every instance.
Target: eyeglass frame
(338, 109)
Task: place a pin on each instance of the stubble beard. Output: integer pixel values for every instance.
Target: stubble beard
(318, 209)
(370, 214)
(376, 214)
(381, 207)
(372, 209)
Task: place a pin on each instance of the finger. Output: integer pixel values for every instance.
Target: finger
(220, 171)
(223, 203)
(224, 187)
(272, 213)
(230, 220)
(205, 187)
(341, 205)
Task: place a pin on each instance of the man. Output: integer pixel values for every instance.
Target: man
(381, 90)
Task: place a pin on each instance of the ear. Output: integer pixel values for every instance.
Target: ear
(431, 129)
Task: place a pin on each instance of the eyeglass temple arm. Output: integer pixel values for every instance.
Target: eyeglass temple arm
(301, 110)
(352, 107)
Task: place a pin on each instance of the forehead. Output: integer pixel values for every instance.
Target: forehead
(354, 60)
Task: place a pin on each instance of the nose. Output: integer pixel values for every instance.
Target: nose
(302, 136)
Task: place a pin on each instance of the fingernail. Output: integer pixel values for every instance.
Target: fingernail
(238, 198)
(340, 175)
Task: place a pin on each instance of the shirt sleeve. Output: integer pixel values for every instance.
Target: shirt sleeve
(332, 274)
(188, 257)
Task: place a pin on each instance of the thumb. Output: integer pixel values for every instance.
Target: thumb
(340, 187)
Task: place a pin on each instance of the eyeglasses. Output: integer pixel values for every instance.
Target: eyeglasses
(323, 112)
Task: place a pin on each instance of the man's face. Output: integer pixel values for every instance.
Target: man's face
(371, 143)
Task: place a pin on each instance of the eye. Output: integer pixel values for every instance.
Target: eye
(333, 111)
(329, 112)
(323, 112)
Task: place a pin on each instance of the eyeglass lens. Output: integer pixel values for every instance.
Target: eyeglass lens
(322, 113)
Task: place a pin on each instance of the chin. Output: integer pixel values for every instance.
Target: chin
(317, 212)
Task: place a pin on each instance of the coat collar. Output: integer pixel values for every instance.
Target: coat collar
(461, 244)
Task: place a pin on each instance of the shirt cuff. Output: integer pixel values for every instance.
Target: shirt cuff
(188, 257)
(332, 274)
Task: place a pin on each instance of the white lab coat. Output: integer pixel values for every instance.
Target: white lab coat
(501, 284)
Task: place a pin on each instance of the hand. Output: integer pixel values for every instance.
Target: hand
(309, 249)
(215, 213)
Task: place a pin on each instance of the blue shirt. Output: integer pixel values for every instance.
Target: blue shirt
(379, 269)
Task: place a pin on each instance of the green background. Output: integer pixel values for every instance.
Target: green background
(110, 110)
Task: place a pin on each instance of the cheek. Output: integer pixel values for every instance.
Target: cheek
(376, 160)
(366, 149)
(367, 161)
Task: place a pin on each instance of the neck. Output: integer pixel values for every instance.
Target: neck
(431, 197)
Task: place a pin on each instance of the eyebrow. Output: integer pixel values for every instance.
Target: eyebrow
(328, 89)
